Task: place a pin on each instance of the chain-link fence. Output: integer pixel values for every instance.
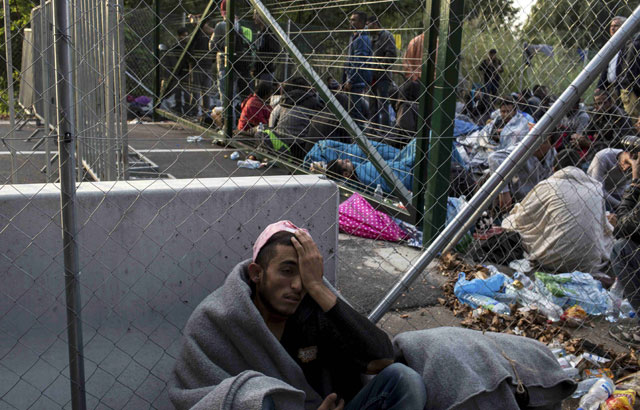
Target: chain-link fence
(495, 138)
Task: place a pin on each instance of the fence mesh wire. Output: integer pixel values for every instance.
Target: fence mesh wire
(167, 96)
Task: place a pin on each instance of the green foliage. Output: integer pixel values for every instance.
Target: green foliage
(581, 23)
(20, 15)
(556, 72)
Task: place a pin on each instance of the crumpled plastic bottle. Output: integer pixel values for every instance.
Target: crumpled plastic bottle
(598, 393)
(526, 297)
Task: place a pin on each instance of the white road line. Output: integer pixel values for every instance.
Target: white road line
(143, 151)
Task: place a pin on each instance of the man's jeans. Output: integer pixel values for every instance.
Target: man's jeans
(397, 387)
(379, 102)
(358, 104)
(625, 261)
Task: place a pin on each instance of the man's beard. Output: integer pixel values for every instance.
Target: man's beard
(269, 306)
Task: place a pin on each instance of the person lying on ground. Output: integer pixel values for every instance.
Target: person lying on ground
(562, 223)
(349, 161)
(277, 336)
(255, 110)
(612, 168)
(625, 257)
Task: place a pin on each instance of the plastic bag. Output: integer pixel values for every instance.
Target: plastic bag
(575, 288)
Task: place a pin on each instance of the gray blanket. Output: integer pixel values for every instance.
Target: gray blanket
(230, 359)
(467, 369)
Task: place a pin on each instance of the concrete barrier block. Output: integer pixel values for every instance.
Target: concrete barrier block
(150, 251)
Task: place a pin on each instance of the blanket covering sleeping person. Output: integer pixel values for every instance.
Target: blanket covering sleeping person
(483, 369)
(234, 357)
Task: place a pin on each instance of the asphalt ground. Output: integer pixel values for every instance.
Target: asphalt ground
(165, 144)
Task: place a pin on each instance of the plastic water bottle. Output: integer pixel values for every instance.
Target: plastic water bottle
(598, 393)
(486, 302)
(377, 194)
(583, 387)
(249, 163)
(524, 279)
(626, 310)
(526, 297)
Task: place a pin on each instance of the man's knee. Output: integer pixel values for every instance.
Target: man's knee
(408, 383)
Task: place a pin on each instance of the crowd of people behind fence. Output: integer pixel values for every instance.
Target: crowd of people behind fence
(577, 193)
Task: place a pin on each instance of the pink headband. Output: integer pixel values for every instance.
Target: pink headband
(271, 230)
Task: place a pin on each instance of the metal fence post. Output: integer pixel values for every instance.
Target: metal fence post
(441, 141)
(156, 54)
(66, 147)
(510, 165)
(230, 59)
(12, 114)
(431, 24)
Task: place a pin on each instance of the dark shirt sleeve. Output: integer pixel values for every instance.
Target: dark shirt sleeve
(354, 337)
(628, 213)
(631, 77)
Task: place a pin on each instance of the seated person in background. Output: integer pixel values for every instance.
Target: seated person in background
(562, 223)
(324, 124)
(539, 166)
(350, 162)
(276, 336)
(290, 119)
(611, 167)
(509, 127)
(255, 110)
(608, 124)
(574, 122)
(406, 113)
(625, 257)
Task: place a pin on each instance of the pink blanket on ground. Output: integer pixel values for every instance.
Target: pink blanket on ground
(357, 217)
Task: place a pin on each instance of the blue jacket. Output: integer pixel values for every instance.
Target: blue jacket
(360, 50)
(399, 160)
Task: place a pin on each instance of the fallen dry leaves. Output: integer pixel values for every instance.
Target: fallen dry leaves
(529, 323)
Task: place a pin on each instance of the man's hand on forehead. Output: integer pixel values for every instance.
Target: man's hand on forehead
(309, 259)
(310, 265)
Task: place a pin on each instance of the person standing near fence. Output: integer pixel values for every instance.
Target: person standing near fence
(491, 68)
(170, 59)
(610, 78)
(267, 50)
(202, 68)
(630, 79)
(217, 43)
(356, 76)
(384, 55)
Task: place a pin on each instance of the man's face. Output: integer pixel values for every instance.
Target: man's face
(615, 25)
(279, 287)
(355, 22)
(601, 103)
(507, 112)
(347, 167)
(636, 125)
